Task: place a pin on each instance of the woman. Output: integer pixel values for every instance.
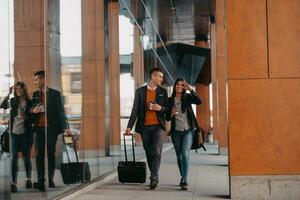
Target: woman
(21, 131)
(182, 125)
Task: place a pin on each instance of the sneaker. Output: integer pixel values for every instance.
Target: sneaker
(13, 188)
(153, 184)
(28, 184)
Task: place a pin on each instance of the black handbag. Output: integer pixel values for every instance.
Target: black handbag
(74, 172)
(198, 136)
(131, 171)
(4, 140)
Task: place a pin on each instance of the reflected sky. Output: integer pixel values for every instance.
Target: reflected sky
(70, 28)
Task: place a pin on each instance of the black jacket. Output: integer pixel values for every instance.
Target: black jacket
(187, 102)
(139, 108)
(55, 110)
(14, 112)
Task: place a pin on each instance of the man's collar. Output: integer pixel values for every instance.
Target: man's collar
(47, 89)
(150, 88)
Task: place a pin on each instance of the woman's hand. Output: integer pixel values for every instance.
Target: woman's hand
(186, 86)
(174, 111)
(11, 89)
(36, 110)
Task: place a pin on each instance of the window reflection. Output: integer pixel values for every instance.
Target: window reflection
(6, 60)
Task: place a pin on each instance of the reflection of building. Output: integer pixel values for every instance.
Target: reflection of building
(71, 85)
(251, 111)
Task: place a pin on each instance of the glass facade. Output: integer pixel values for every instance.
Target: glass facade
(70, 40)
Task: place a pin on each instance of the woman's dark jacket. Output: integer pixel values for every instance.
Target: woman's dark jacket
(14, 112)
(187, 101)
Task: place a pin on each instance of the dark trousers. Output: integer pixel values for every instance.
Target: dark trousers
(40, 142)
(152, 143)
(21, 143)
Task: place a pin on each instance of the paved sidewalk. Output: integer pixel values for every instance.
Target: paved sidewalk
(208, 180)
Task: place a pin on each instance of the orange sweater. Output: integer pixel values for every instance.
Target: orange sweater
(150, 116)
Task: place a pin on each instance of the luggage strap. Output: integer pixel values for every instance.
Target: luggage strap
(132, 147)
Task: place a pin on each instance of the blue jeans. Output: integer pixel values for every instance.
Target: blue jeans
(21, 143)
(182, 141)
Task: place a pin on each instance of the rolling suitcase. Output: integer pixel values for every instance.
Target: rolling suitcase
(131, 171)
(74, 172)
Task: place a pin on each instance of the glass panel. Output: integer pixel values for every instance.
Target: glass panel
(18, 62)
(64, 75)
(136, 60)
(5, 83)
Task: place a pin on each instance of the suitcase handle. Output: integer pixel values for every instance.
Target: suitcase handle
(132, 147)
(74, 146)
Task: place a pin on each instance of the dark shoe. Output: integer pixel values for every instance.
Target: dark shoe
(184, 186)
(28, 184)
(153, 184)
(39, 186)
(51, 184)
(13, 188)
(180, 182)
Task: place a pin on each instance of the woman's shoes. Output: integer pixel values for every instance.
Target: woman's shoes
(153, 184)
(14, 188)
(183, 185)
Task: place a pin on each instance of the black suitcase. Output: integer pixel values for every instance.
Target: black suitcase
(131, 171)
(74, 172)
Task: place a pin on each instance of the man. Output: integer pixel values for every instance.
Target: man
(47, 127)
(149, 109)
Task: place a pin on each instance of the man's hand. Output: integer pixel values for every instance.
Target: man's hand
(156, 107)
(128, 131)
(4, 122)
(67, 132)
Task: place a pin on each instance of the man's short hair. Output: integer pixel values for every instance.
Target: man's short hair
(155, 69)
(40, 73)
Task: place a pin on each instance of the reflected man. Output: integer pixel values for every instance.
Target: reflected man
(47, 127)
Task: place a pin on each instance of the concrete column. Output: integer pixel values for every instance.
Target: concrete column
(53, 70)
(213, 49)
(263, 98)
(30, 42)
(37, 41)
(138, 58)
(93, 77)
(203, 111)
(114, 76)
(221, 73)
(138, 65)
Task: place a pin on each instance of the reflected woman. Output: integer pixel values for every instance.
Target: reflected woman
(182, 125)
(21, 131)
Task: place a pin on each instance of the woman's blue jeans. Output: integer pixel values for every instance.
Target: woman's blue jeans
(182, 141)
(20, 143)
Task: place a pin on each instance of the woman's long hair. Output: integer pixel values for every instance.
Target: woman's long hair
(183, 103)
(24, 87)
